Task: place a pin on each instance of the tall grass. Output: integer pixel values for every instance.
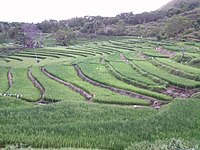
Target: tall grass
(23, 86)
(100, 95)
(78, 124)
(3, 80)
(99, 73)
(172, 79)
(55, 91)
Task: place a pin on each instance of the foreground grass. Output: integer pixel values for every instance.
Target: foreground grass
(87, 125)
(65, 124)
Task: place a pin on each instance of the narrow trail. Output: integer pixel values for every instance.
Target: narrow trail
(10, 79)
(154, 102)
(71, 86)
(39, 87)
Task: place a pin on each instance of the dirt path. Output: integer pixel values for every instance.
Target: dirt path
(165, 52)
(10, 79)
(119, 91)
(39, 87)
(177, 92)
(71, 86)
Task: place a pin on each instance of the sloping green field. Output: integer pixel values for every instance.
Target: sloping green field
(108, 94)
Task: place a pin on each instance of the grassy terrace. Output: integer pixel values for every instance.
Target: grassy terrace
(53, 90)
(69, 74)
(99, 73)
(128, 71)
(40, 55)
(46, 53)
(108, 120)
(30, 56)
(96, 48)
(23, 86)
(71, 49)
(113, 57)
(175, 71)
(180, 66)
(3, 80)
(131, 81)
(172, 79)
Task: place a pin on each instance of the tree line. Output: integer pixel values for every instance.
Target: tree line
(163, 23)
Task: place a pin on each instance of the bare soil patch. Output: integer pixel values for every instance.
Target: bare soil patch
(165, 52)
(177, 92)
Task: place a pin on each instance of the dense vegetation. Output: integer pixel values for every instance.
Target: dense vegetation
(178, 19)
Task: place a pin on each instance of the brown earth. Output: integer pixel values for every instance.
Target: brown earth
(177, 92)
(165, 52)
(39, 87)
(10, 79)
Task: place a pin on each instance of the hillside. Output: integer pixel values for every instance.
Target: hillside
(157, 28)
(146, 24)
(181, 5)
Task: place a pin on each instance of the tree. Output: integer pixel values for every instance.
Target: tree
(176, 25)
(32, 35)
(17, 34)
(65, 37)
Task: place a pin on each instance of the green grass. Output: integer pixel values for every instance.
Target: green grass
(10, 103)
(107, 121)
(69, 74)
(99, 73)
(179, 66)
(3, 80)
(127, 70)
(172, 79)
(174, 71)
(38, 54)
(23, 86)
(85, 125)
(55, 91)
(129, 80)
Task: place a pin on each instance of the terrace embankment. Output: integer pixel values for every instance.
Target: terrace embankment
(165, 52)
(117, 90)
(178, 92)
(39, 87)
(10, 79)
(71, 86)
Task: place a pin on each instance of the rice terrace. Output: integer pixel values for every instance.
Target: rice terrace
(100, 91)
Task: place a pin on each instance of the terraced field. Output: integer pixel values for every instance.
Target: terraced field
(98, 94)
